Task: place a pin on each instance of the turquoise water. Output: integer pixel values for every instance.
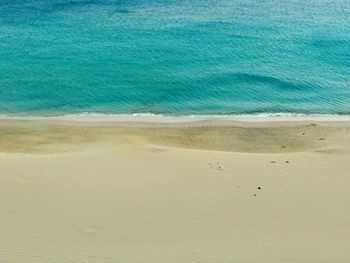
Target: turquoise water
(174, 57)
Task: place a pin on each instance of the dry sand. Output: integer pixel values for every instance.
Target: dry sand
(132, 192)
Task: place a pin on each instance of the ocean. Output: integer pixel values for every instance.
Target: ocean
(174, 57)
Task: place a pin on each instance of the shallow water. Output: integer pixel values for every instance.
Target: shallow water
(175, 57)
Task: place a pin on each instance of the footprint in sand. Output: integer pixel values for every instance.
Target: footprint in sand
(283, 147)
(217, 166)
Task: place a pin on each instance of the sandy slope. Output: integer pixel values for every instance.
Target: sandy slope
(85, 192)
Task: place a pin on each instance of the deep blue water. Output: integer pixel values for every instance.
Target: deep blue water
(174, 56)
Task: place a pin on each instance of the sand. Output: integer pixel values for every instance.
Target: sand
(209, 191)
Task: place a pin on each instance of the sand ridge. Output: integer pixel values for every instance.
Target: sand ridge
(60, 136)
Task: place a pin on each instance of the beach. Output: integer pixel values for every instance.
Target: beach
(203, 191)
(174, 131)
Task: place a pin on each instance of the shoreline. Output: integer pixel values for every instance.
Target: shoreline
(160, 118)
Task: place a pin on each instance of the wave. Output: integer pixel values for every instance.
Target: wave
(258, 80)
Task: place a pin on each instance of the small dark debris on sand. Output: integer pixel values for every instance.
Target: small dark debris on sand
(283, 147)
(287, 161)
(303, 133)
(216, 165)
(259, 187)
(322, 139)
(254, 194)
(273, 162)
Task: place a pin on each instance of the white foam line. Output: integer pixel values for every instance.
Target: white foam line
(159, 118)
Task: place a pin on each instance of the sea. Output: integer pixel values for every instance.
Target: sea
(174, 57)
